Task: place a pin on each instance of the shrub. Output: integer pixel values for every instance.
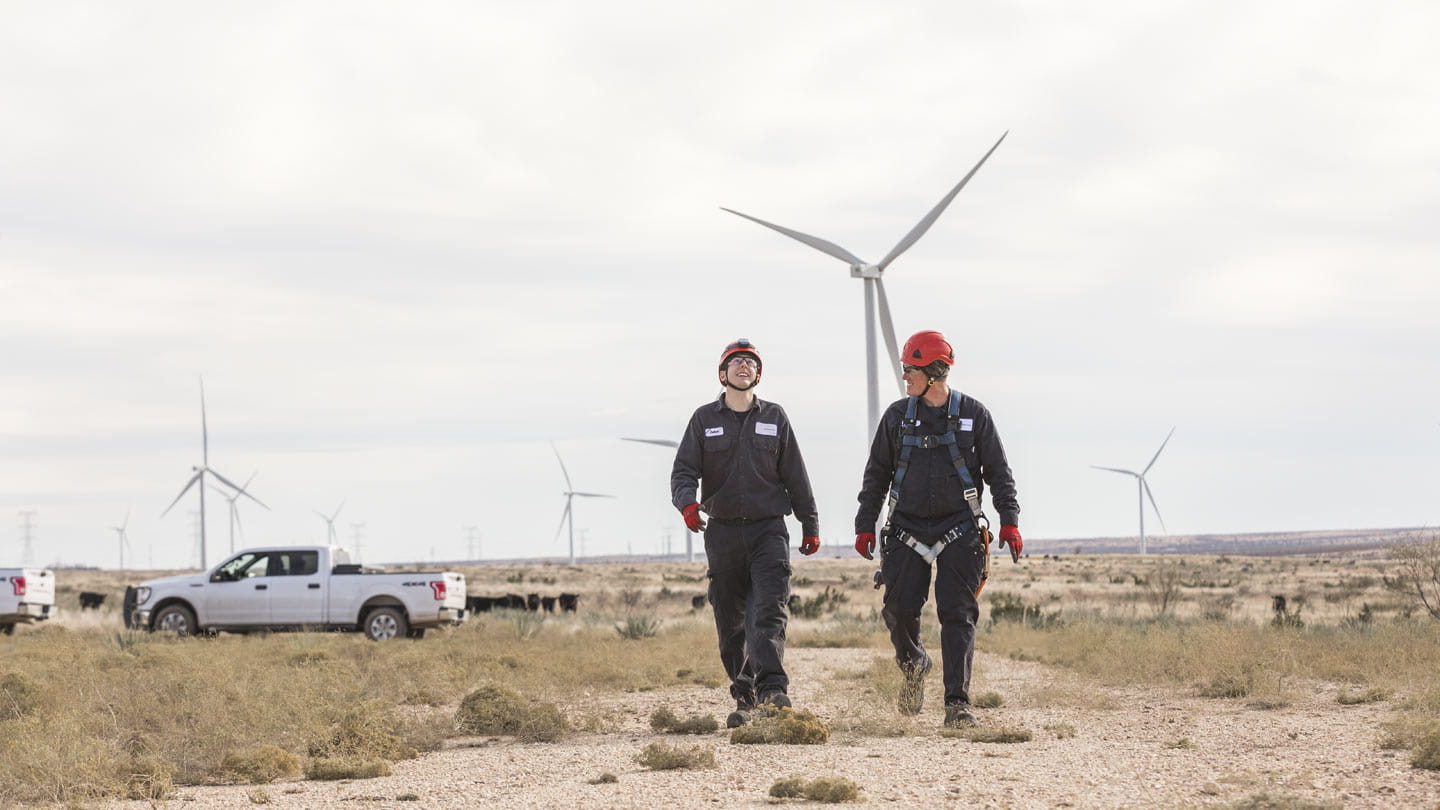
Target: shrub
(147, 778)
(1282, 801)
(635, 628)
(493, 709)
(1426, 753)
(20, 694)
(1229, 685)
(1419, 575)
(1062, 731)
(1372, 695)
(989, 700)
(816, 606)
(785, 725)
(263, 764)
(665, 720)
(827, 789)
(333, 768)
(258, 796)
(659, 756)
(366, 731)
(989, 735)
(606, 778)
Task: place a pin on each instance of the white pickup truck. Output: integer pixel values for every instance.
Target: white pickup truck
(26, 595)
(297, 587)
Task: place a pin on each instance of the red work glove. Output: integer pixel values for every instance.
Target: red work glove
(865, 545)
(809, 545)
(693, 521)
(1011, 535)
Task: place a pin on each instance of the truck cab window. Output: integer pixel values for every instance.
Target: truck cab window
(244, 566)
(294, 563)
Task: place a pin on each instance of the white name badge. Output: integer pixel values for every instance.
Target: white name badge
(967, 424)
(764, 429)
(717, 431)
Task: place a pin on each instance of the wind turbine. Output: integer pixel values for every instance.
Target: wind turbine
(123, 537)
(1144, 488)
(330, 522)
(689, 535)
(234, 510)
(568, 516)
(875, 285)
(199, 477)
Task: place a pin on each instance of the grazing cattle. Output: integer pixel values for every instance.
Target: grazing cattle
(513, 601)
(697, 602)
(548, 602)
(532, 602)
(479, 604)
(569, 602)
(1277, 602)
(90, 600)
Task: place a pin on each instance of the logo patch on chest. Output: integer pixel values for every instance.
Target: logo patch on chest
(715, 431)
(764, 429)
(967, 424)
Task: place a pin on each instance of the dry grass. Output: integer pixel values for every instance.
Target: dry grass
(659, 756)
(665, 720)
(784, 726)
(825, 789)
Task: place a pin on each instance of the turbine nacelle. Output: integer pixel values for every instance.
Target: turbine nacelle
(866, 271)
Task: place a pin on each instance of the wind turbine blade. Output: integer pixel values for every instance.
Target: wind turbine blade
(235, 514)
(1116, 469)
(563, 515)
(1146, 487)
(193, 479)
(337, 510)
(238, 490)
(563, 471)
(888, 328)
(591, 495)
(204, 428)
(1157, 452)
(126, 521)
(924, 224)
(828, 248)
(661, 442)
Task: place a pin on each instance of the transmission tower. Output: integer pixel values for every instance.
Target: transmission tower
(356, 534)
(27, 526)
(472, 541)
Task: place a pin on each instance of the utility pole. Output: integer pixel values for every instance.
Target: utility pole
(355, 533)
(472, 541)
(27, 525)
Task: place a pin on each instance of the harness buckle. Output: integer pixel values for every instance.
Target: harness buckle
(929, 442)
(971, 494)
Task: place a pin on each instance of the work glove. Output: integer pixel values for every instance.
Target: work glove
(865, 545)
(693, 521)
(809, 545)
(1011, 535)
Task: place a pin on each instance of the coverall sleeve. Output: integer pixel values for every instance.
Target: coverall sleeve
(995, 469)
(689, 460)
(797, 484)
(875, 484)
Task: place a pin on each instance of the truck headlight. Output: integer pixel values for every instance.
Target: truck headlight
(142, 595)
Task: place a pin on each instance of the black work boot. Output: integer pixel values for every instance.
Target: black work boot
(957, 715)
(741, 715)
(912, 691)
(778, 699)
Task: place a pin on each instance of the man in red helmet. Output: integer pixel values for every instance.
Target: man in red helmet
(934, 452)
(741, 450)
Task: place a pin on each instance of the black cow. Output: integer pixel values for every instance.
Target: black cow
(479, 604)
(569, 602)
(532, 602)
(89, 600)
(697, 602)
(513, 601)
(548, 602)
(1277, 602)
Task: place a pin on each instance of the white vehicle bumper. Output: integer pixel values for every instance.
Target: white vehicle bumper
(35, 611)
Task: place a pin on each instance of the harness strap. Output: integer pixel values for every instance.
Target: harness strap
(910, 439)
(932, 551)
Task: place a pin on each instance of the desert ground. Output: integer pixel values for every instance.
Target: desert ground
(1120, 682)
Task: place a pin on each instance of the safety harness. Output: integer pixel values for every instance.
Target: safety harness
(911, 438)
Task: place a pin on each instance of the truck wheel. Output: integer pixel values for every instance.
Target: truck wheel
(176, 619)
(7, 629)
(385, 623)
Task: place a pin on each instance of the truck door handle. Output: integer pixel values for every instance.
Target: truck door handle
(261, 587)
(314, 586)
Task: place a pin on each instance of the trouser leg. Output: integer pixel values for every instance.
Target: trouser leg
(907, 588)
(957, 576)
(729, 574)
(767, 612)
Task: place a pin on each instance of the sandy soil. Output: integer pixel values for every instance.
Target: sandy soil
(1132, 747)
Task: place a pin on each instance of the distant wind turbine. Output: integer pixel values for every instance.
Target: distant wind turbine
(330, 523)
(689, 535)
(123, 538)
(874, 284)
(568, 516)
(199, 477)
(235, 510)
(1144, 489)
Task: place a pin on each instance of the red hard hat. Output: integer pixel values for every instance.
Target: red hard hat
(741, 346)
(924, 348)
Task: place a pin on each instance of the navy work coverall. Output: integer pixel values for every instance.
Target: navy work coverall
(931, 503)
(751, 475)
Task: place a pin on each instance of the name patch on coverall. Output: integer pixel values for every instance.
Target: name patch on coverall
(715, 431)
(967, 424)
(764, 429)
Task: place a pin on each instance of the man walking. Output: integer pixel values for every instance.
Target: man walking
(932, 451)
(739, 450)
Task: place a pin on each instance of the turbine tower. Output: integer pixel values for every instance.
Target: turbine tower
(123, 538)
(330, 523)
(568, 516)
(1144, 489)
(235, 510)
(689, 535)
(875, 287)
(199, 477)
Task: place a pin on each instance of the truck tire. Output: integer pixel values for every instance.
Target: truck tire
(7, 629)
(176, 619)
(385, 623)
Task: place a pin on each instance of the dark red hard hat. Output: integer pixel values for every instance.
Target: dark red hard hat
(924, 348)
(741, 346)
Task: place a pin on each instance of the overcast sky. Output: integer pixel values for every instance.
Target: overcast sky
(407, 249)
